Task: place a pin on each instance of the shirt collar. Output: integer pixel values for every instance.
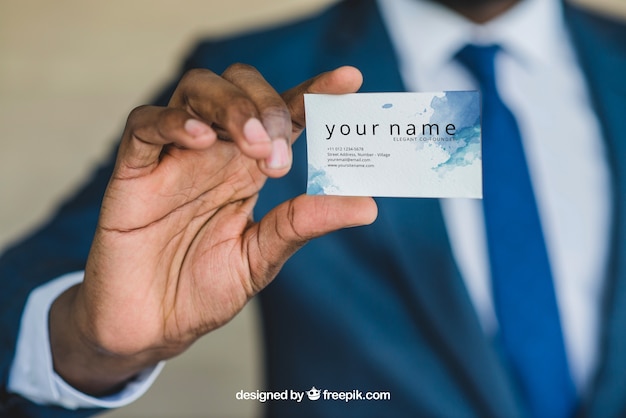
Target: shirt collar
(427, 35)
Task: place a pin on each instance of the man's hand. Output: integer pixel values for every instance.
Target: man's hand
(176, 253)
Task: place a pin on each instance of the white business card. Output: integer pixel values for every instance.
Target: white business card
(394, 144)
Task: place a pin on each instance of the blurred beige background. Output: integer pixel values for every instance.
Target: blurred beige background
(70, 71)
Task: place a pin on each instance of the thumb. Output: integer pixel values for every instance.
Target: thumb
(292, 224)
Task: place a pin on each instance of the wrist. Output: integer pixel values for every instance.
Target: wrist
(80, 359)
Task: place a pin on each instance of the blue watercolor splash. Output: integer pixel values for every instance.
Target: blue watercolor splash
(387, 106)
(456, 107)
(467, 151)
(462, 110)
(317, 181)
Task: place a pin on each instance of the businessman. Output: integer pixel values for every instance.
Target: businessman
(514, 306)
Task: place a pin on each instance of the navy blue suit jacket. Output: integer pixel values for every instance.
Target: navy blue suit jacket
(377, 308)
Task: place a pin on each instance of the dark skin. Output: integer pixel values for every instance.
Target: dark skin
(176, 252)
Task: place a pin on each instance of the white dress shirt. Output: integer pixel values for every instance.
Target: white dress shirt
(539, 79)
(32, 374)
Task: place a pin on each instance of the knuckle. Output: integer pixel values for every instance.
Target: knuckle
(192, 76)
(276, 111)
(277, 120)
(136, 116)
(137, 112)
(146, 121)
(296, 234)
(239, 69)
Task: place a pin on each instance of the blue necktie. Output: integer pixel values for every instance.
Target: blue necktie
(523, 292)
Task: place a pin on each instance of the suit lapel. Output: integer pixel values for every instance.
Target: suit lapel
(436, 293)
(602, 53)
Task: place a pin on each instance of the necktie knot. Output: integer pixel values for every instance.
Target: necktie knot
(480, 61)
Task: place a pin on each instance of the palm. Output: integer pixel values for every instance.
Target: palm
(179, 222)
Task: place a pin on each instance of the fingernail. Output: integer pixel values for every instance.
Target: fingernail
(254, 132)
(195, 128)
(280, 154)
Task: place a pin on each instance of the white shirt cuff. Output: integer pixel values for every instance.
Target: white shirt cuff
(32, 374)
